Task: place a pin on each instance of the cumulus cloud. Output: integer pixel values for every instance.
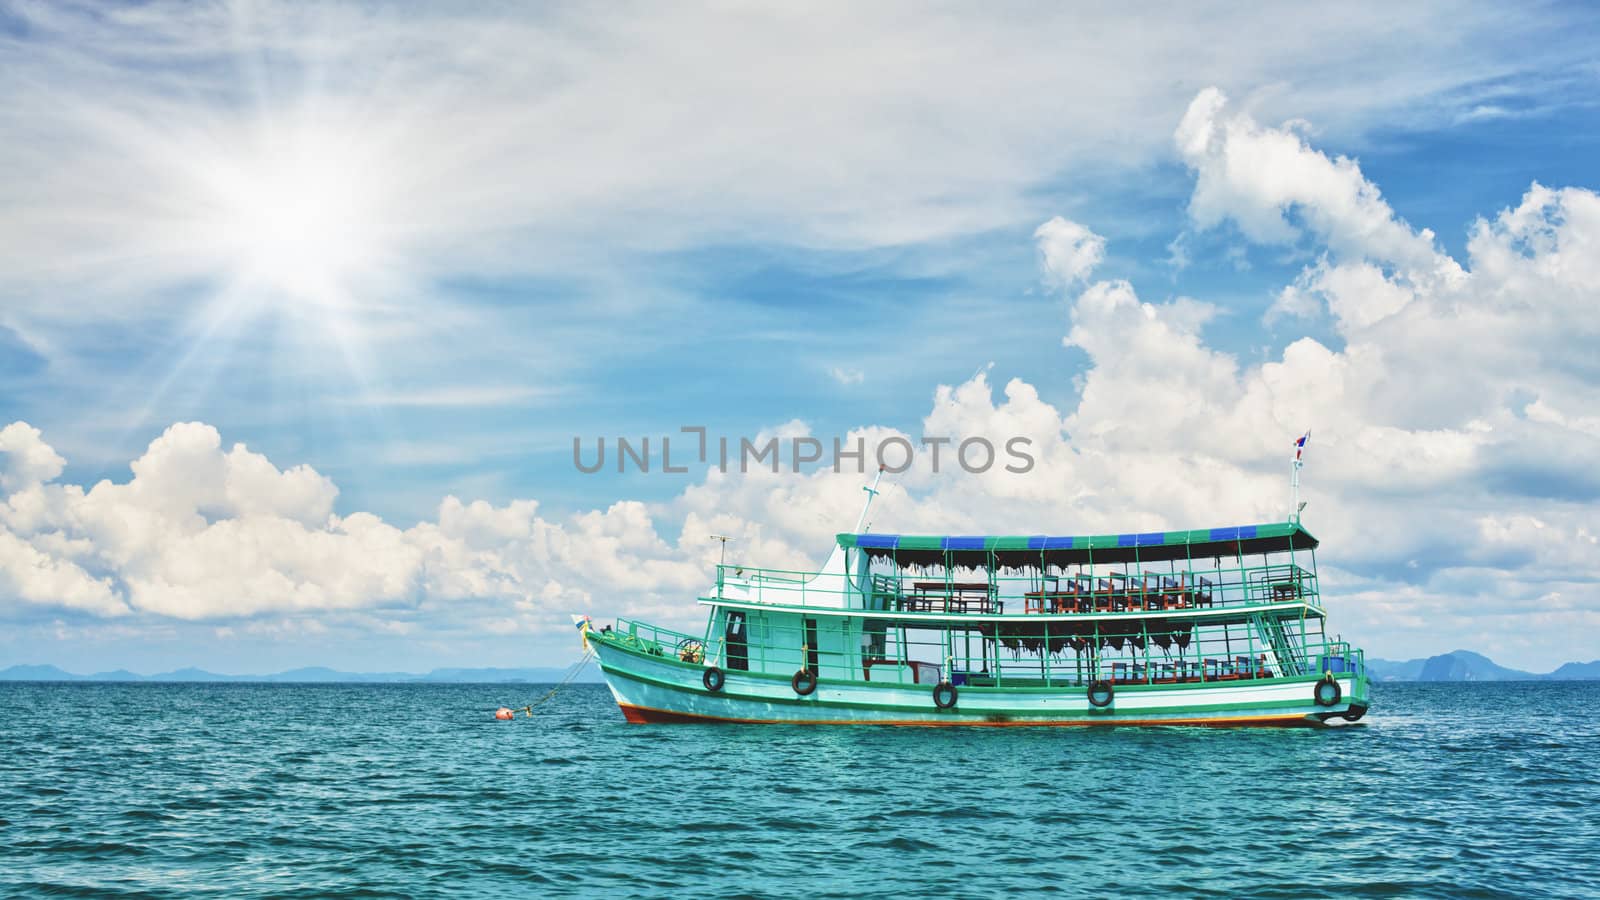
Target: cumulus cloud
(31, 575)
(28, 459)
(1069, 251)
(200, 532)
(1254, 176)
(1454, 421)
(1455, 428)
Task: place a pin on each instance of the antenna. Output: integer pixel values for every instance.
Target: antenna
(892, 485)
(871, 492)
(722, 555)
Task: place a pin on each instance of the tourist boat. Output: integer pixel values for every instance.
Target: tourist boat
(1217, 626)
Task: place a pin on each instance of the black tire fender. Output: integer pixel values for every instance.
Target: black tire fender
(1101, 694)
(1327, 692)
(803, 682)
(712, 678)
(945, 695)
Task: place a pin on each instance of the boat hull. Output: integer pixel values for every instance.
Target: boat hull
(659, 689)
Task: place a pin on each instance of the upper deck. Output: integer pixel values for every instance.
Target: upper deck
(1211, 574)
(1044, 551)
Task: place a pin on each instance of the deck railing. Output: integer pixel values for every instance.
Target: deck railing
(910, 657)
(1112, 589)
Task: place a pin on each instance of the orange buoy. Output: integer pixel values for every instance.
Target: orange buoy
(504, 714)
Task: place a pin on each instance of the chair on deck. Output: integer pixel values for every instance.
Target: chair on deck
(1118, 594)
(1102, 595)
(1080, 593)
(1047, 599)
(1154, 599)
(1175, 594)
(1064, 601)
(1285, 590)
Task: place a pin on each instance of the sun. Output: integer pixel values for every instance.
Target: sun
(287, 225)
(300, 218)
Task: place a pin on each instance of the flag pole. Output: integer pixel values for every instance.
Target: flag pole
(1294, 491)
(1295, 506)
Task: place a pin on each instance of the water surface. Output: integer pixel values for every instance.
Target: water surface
(168, 790)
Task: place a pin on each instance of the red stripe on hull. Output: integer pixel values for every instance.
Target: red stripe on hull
(645, 715)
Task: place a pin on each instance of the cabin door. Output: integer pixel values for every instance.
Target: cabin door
(736, 641)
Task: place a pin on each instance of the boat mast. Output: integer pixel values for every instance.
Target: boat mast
(1295, 506)
(1294, 491)
(871, 493)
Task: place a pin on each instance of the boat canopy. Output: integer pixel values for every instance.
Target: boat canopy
(1020, 551)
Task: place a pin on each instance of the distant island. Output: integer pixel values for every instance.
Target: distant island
(315, 675)
(1457, 665)
(1464, 665)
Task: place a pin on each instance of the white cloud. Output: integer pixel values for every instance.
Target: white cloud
(1451, 473)
(1068, 250)
(1358, 294)
(202, 533)
(28, 459)
(846, 376)
(34, 576)
(348, 153)
(358, 176)
(1254, 176)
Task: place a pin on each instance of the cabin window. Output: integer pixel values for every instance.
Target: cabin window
(811, 645)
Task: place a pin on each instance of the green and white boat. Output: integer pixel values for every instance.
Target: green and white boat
(1218, 626)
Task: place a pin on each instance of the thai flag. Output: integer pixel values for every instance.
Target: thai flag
(1300, 444)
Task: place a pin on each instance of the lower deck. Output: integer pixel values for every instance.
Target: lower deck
(661, 688)
(1003, 652)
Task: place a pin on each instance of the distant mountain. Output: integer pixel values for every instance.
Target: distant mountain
(1576, 670)
(313, 674)
(479, 676)
(1457, 665)
(191, 674)
(1390, 670)
(1464, 665)
(118, 675)
(323, 674)
(37, 673)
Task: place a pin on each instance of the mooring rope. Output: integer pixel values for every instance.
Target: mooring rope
(577, 667)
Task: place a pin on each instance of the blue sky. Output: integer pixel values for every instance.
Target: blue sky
(419, 253)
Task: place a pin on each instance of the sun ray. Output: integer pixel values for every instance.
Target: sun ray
(286, 217)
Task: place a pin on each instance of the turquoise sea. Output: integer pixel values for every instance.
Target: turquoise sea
(175, 790)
